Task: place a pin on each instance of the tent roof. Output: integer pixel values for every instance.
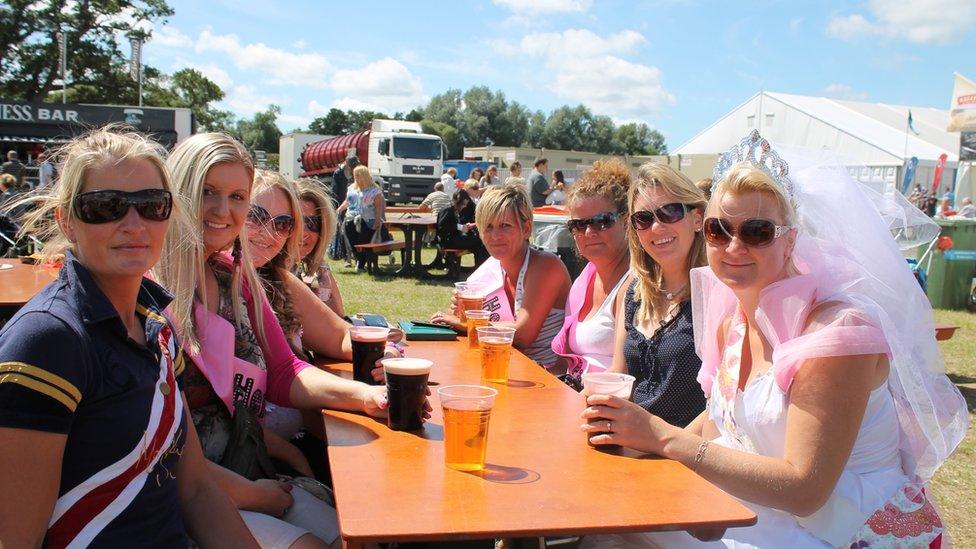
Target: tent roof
(879, 125)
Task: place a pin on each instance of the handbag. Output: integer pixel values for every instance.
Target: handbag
(246, 453)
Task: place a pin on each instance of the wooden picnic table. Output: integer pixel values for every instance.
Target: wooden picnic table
(413, 229)
(20, 282)
(542, 479)
(944, 331)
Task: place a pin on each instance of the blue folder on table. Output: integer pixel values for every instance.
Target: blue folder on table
(416, 332)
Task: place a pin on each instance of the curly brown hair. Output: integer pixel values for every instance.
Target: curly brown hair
(608, 179)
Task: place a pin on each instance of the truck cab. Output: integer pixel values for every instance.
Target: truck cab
(407, 161)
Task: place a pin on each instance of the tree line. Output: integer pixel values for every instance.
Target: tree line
(98, 72)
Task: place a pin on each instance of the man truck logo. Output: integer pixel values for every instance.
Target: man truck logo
(412, 169)
(133, 117)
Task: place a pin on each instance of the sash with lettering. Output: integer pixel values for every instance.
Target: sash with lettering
(490, 277)
(233, 380)
(84, 511)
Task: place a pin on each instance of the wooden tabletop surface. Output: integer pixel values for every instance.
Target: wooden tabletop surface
(541, 479)
(20, 282)
(420, 220)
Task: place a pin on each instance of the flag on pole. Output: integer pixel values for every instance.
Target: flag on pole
(939, 168)
(135, 63)
(62, 55)
(911, 122)
(910, 168)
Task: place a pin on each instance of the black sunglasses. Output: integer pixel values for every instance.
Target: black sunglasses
(756, 233)
(312, 223)
(97, 207)
(668, 213)
(282, 224)
(599, 222)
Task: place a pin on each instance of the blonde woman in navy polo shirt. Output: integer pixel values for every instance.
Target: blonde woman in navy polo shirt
(97, 449)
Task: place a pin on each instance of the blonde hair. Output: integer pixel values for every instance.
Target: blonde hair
(265, 181)
(362, 177)
(312, 191)
(183, 267)
(501, 199)
(650, 278)
(101, 147)
(607, 179)
(744, 178)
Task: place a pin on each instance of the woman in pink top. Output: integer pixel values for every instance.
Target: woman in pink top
(597, 205)
(238, 355)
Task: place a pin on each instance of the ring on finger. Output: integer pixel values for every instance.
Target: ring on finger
(609, 425)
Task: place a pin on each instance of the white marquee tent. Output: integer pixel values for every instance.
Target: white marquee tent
(872, 135)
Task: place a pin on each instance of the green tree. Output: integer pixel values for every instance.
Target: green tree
(598, 134)
(444, 108)
(261, 132)
(358, 120)
(189, 88)
(334, 122)
(535, 129)
(638, 138)
(29, 50)
(448, 134)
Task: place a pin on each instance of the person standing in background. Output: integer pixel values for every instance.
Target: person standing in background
(538, 186)
(448, 178)
(341, 179)
(490, 178)
(557, 192)
(45, 171)
(516, 169)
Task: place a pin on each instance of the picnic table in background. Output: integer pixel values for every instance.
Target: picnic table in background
(542, 479)
(414, 227)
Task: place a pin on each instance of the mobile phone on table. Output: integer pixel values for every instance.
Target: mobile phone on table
(374, 320)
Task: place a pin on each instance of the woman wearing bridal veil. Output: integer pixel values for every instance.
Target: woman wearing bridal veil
(828, 406)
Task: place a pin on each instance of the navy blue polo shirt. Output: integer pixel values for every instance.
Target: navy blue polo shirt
(68, 366)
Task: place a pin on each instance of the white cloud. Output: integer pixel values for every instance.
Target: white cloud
(291, 121)
(171, 37)
(919, 21)
(283, 68)
(317, 109)
(843, 91)
(247, 101)
(385, 85)
(588, 68)
(299, 44)
(544, 6)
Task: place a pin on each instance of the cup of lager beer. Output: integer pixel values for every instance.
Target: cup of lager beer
(368, 345)
(476, 318)
(470, 296)
(467, 409)
(606, 383)
(496, 352)
(406, 388)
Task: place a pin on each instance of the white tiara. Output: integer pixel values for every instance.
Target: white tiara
(757, 151)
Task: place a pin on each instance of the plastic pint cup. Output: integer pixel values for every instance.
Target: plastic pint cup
(467, 409)
(470, 296)
(368, 346)
(406, 388)
(476, 318)
(496, 352)
(606, 383)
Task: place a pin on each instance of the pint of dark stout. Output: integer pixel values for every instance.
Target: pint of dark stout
(406, 388)
(368, 345)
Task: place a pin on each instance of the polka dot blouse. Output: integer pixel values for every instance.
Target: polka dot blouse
(664, 364)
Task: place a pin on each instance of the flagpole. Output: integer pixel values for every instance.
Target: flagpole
(904, 154)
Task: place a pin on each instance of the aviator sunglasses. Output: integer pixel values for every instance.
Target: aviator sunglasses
(282, 224)
(756, 233)
(97, 207)
(599, 222)
(313, 223)
(668, 213)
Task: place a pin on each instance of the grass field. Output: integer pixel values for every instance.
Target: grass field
(954, 486)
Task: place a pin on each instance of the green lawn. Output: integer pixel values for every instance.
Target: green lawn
(954, 485)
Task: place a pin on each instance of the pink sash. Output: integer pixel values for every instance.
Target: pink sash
(491, 278)
(233, 380)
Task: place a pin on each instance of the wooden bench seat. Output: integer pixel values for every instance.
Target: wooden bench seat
(372, 252)
(452, 257)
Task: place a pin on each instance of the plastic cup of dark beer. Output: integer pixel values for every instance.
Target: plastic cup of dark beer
(406, 388)
(368, 346)
(606, 383)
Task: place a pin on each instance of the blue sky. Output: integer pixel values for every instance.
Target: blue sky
(676, 64)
